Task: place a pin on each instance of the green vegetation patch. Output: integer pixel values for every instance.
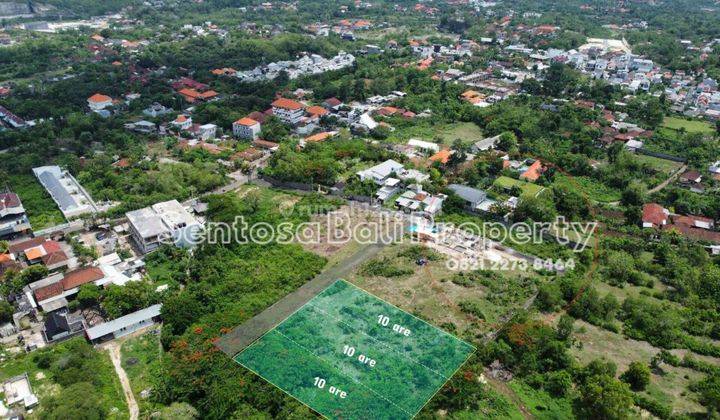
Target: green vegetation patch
(690, 126)
(347, 353)
(527, 188)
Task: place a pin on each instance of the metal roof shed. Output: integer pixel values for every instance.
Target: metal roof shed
(124, 325)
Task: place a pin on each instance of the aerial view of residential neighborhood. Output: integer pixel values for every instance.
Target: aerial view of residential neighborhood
(359, 209)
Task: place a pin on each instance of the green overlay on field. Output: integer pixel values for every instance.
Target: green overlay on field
(348, 354)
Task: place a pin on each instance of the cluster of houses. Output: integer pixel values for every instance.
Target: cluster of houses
(44, 313)
(698, 228)
(613, 61)
(306, 65)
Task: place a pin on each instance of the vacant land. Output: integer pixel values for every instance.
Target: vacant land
(41, 209)
(140, 360)
(442, 133)
(669, 385)
(527, 188)
(588, 187)
(366, 356)
(52, 370)
(662, 166)
(468, 303)
(691, 126)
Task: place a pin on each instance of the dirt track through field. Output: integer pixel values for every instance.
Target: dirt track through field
(244, 335)
(113, 349)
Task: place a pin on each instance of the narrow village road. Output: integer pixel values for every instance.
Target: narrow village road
(658, 187)
(113, 349)
(668, 181)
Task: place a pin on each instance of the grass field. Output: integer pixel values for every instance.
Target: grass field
(45, 381)
(141, 359)
(540, 404)
(347, 353)
(527, 188)
(41, 209)
(663, 166)
(669, 386)
(446, 133)
(591, 188)
(691, 126)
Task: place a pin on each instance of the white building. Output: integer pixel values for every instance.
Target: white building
(98, 102)
(246, 128)
(182, 122)
(381, 172)
(207, 131)
(289, 111)
(163, 223)
(66, 191)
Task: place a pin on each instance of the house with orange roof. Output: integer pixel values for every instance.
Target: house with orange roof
(316, 111)
(192, 95)
(182, 122)
(288, 110)
(226, 71)
(425, 64)
(442, 156)
(320, 137)
(533, 172)
(48, 253)
(98, 102)
(246, 128)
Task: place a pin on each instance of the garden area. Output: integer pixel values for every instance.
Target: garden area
(72, 380)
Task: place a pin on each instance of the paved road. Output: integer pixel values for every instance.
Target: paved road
(245, 334)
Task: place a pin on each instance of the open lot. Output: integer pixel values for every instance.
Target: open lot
(444, 133)
(691, 126)
(527, 188)
(663, 166)
(367, 356)
(670, 385)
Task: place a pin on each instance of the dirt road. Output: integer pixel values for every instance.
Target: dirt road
(113, 349)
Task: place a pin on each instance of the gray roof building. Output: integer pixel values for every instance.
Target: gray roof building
(69, 195)
(124, 325)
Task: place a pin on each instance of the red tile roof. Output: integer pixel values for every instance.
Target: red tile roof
(655, 214)
(695, 233)
(9, 200)
(248, 122)
(319, 137)
(287, 104)
(81, 276)
(333, 102)
(442, 156)
(533, 172)
(54, 258)
(691, 176)
(19, 247)
(99, 98)
(317, 110)
(46, 292)
(691, 221)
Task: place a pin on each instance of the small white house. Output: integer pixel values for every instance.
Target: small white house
(207, 131)
(246, 128)
(98, 102)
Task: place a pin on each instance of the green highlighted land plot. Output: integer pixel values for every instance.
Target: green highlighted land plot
(347, 354)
